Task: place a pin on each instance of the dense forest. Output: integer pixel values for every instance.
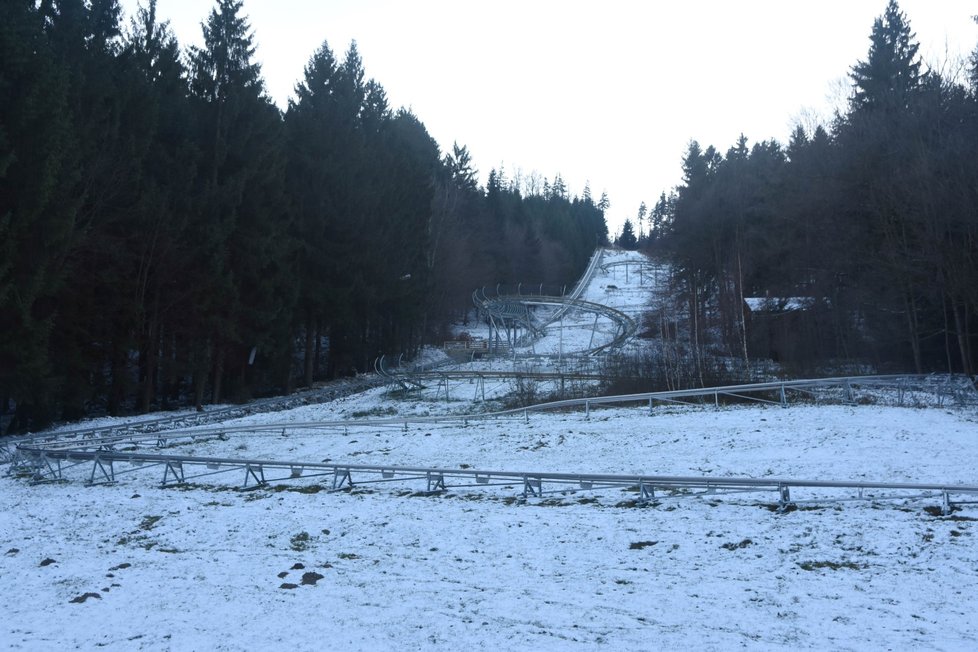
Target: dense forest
(169, 236)
(864, 232)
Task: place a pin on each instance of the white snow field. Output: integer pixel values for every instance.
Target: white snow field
(133, 565)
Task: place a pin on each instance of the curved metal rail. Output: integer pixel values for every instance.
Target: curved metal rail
(512, 309)
(515, 311)
(643, 264)
(45, 460)
(185, 420)
(109, 466)
(944, 390)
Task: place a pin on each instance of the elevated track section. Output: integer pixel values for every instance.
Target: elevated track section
(98, 456)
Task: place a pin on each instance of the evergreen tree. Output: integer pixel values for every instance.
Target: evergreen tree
(166, 250)
(38, 166)
(244, 221)
(627, 239)
(891, 71)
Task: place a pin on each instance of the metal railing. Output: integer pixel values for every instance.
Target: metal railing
(59, 458)
(943, 390)
(109, 466)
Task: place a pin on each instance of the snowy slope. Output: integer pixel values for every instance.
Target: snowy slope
(214, 567)
(464, 571)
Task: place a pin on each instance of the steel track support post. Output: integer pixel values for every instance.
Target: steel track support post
(44, 469)
(532, 486)
(107, 474)
(784, 398)
(175, 469)
(784, 498)
(560, 344)
(587, 409)
(646, 492)
(651, 407)
(594, 329)
(436, 482)
(37, 466)
(257, 473)
(946, 506)
(342, 477)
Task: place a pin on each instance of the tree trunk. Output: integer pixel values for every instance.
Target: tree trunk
(961, 326)
(911, 307)
(118, 389)
(218, 372)
(150, 364)
(743, 316)
(199, 386)
(319, 349)
(310, 350)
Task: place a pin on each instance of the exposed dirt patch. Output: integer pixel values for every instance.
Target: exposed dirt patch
(831, 565)
(639, 545)
(737, 546)
(85, 596)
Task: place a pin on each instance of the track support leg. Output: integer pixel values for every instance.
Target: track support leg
(784, 498)
(341, 478)
(531, 486)
(176, 470)
(436, 482)
(107, 472)
(256, 473)
(646, 492)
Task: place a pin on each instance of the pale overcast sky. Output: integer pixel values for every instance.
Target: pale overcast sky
(608, 92)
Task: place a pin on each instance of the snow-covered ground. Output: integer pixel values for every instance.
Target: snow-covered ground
(202, 568)
(135, 566)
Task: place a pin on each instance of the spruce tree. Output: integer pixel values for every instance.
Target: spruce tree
(627, 239)
(244, 220)
(38, 167)
(891, 71)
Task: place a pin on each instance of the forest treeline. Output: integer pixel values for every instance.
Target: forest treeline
(168, 235)
(866, 228)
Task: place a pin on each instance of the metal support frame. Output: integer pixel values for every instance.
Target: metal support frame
(341, 479)
(532, 486)
(436, 481)
(105, 468)
(44, 469)
(784, 497)
(173, 468)
(646, 492)
(254, 472)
